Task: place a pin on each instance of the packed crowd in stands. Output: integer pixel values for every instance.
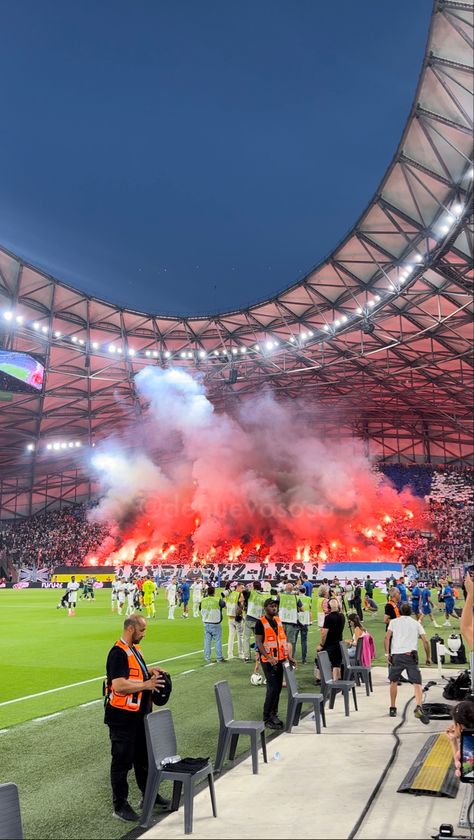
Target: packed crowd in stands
(66, 537)
(56, 538)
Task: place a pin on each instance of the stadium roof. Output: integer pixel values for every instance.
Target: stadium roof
(378, 336)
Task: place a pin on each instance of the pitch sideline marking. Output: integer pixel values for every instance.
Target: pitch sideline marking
(95, 679)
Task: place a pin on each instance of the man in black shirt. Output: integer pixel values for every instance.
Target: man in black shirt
(331, 635)
(131, 690)
(272, 646)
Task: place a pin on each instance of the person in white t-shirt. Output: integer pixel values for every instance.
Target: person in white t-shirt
(401, 649)
(196, 589)
(171, 596)
(72, 588)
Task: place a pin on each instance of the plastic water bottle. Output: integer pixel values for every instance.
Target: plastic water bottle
(277, 756)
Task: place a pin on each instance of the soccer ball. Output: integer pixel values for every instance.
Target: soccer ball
(256, 679)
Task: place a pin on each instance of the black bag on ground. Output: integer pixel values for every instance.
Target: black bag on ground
(458, 687)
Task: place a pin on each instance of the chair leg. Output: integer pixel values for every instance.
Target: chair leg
(323, 714)
(253, 738)
(233, 747)
(152, 785)
(222, 755)
(346, 701)
(297, 714)
(210, 781)
(367, 684)
(220, 750)
(317, 718)
(354, 695)
(188, 805)
(332, 697)
(264, 746)
(370, 681)
(177, 788)
(290, 713)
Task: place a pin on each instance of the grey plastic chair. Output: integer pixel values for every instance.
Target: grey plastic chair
(352, 671)
(297, 698)
(10, 816)
(330, 687)
(230, 730)
(161, 743)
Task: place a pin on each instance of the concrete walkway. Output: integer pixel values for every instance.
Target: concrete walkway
(318, 785)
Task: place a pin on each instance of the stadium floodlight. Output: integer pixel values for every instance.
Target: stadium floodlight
(359, 310)
(36, 326)
(337, 323)
(74, 339)
(444, 229)
(202, 354)
(155, 354)
(30, 447)
(257, 347)
(49, 446)
(243, 349)
(269, 345)
(71, 445)
(403, 279)
(371, 303)
(304, 336)
(44, 330)
(377, 298)
(182, 354)
(457, 208)
(56, 446)
(8, 315)
(167, 354)
(216, 352)
(310, 333)
(470, 173)
(344, 319)
(326, 327)
(81, 342)
(19, 319)
(64, 445)
(131, 351)
(190, 354)
(292, 339)
(119, 349)
(418, 258)
(147, 354)
(57, 334)
(95, 345)
(77, 443)
(234, 351)
(111, 348)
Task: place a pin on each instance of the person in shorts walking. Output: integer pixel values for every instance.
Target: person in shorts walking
(401, 649)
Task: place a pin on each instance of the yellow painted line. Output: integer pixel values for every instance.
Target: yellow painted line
(435, 766)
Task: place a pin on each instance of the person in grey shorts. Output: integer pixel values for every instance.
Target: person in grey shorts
(401, 648)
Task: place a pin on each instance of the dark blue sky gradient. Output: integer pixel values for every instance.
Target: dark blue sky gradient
(187, 157)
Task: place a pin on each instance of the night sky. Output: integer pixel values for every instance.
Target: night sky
(195, 156)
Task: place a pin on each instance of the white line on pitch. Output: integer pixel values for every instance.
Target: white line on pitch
(46, 717)
(191, 670)
(91, 703)
(93, 679)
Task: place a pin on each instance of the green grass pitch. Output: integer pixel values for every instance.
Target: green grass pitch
(61, 763)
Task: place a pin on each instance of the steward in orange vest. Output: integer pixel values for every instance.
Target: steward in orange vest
(130, 690)
(274, 650)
